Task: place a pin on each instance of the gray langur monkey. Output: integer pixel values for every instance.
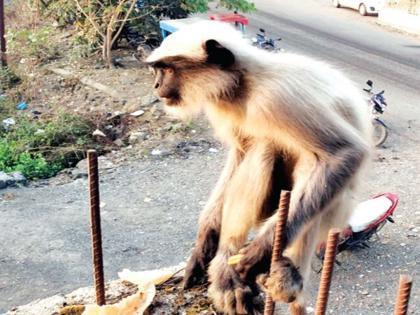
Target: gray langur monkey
(290, 122)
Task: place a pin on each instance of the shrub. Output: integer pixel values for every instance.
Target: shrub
(40, 148)
(8, 79)
(31, 43)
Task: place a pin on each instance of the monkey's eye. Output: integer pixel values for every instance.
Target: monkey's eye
(160, 65)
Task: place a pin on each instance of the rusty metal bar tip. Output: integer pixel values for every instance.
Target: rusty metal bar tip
(327, 270)
(403, 296)
(95, 221)
(278, 242)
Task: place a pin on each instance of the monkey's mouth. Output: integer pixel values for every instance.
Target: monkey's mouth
(172, 100)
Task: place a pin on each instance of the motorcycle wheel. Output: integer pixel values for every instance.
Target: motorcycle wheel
(380, 132)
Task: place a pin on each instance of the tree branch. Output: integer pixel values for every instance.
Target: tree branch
(133, 3)
(94, 24)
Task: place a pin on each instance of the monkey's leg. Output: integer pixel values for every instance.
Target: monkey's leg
(301, 252)
(244, 197)
(209, 225)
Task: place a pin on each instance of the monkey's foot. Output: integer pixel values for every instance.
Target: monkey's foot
(229, 293)
(255, 260)
(284, 283)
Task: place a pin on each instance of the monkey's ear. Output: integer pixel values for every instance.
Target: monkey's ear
(218, 55)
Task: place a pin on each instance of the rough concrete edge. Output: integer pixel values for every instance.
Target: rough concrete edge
(400, 20)
(86, 295)
(114, 291)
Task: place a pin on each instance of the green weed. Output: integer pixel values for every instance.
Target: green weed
(40, 148)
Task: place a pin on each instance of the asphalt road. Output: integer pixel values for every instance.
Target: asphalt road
(151, 207)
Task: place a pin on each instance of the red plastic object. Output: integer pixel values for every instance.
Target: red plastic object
(394, 200)
(230, 18)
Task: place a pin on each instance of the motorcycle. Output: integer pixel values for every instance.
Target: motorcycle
(365, 221)
(263, 41)
(378, 105)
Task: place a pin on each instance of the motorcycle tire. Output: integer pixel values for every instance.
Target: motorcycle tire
(380, 132)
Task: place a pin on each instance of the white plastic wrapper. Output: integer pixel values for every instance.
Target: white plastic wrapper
(137, 303)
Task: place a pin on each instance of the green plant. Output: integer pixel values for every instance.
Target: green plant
(40, 148)
(8, 78)
(30, 165)
(31, 43)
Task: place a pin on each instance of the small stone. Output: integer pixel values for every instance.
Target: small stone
(98, 133)
(403, 244)
(364, 292)
(148, 100)
(310, 309)
(137, 113)
(18, 177)
(119, 143)
(136, 137)
(5, 180)
(147, 199)
(213, 150)
(160, 152)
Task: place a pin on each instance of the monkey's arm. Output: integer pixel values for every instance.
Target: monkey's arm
(337, 152)
(210, 223)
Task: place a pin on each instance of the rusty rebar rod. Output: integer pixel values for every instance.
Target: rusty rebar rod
(95, 224)
(403, 296)
(327, 270)
(278, 242)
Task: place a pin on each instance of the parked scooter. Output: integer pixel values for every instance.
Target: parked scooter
(365, 221)
(263, 41)
(378, 105)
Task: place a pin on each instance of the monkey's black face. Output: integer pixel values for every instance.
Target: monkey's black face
(173, 73)
(167, 84)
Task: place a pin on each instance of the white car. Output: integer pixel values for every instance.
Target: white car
(364, 7)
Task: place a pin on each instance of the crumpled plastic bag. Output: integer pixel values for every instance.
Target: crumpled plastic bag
(137, 303)
(134, 304)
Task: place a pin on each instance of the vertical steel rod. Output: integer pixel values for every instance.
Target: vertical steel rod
(95, 221)
(2, 38)
(327, 270)
(403, 296)
(278, 242)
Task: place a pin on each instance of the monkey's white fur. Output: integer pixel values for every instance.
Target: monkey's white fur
(296, 78)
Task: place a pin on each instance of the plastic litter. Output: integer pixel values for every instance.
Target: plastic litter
(8, 122)
(22, 106)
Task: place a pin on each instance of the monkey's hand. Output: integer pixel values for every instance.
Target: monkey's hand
(255, 259)
(195, 272)
(284, 283)
(229, 293)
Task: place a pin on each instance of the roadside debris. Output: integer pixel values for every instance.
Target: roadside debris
(8, 123)
(98, 133)
(12, 179)
(137, 113)
(22, 106)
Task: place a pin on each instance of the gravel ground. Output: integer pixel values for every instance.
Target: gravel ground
(149, 212)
